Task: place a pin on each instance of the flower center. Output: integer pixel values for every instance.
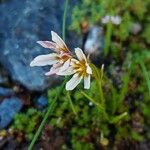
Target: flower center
(80, 68)
(65, 57)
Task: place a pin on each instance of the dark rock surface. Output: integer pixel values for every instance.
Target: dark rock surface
(3, 77)
(6, 91)
(22, 23)
(41, 102)
(8, 108)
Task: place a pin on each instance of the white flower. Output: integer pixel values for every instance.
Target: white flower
(57, 44)
(113, 19)
(60, 59)
(105, 19)
(81, 70)
(116, 20)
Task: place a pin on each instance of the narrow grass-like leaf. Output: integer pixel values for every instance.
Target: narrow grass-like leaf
(92, 100)
(146, 75)
(118, 118)
(71, 103)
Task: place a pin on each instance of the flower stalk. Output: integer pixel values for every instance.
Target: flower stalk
(71, 103)
(64, 19)
(108, 38)
(49, 111)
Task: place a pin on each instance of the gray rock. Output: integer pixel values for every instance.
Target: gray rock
(95, 41)
(23, 23)
(8, 108)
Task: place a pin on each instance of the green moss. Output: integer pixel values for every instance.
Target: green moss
(27, 122)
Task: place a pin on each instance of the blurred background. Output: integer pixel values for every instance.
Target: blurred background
(122, 44)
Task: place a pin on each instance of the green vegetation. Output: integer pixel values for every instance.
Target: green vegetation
(130, 11)
(27, 122)
(115, 119)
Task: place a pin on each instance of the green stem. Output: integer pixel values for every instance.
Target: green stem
(99, 106)
(93, 101)
(108, 38)
(101, 93)
(118, 118)
(124, 90)
(64, 19)
(98, 76)
(50, 110)
(147, 78)
(71, 103)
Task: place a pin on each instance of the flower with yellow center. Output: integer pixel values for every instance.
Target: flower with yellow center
(81, 70)
(60, 59)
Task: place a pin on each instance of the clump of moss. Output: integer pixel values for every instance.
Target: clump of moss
(27, 122)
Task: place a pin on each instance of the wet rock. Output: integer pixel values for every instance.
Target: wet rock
(95, 41)
(24, 23)
(41, 102)
(8, 108)
(6, 91)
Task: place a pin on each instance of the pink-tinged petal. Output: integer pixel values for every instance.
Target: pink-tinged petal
(67, 72)
(87, 82)
(43, 60)
(54, 69)
(48, 44)
(73, 82)
(88, 69)
(58, 40)
(80, 55)
(51, 72)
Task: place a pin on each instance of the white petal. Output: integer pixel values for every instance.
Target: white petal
(73, 82)
(102, 68)
(74, 61)
(58, 40)
(87, 82)
(65, 69)
(66, 72)
(88, 69)
(65, 65)
(43, 60)
(80, 55)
